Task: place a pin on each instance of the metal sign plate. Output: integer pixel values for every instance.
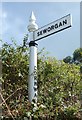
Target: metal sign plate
(54, 27)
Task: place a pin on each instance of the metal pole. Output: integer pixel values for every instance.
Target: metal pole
(32, 83)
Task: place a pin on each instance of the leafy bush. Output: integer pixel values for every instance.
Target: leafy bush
(58, 87)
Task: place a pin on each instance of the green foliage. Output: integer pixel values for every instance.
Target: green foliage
(77, 55)
(76, 59)
(68, 59)
(58, 86)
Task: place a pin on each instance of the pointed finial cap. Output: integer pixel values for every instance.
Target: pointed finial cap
(32, 25)
(32, 17)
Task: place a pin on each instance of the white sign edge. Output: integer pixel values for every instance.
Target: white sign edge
(51, 23)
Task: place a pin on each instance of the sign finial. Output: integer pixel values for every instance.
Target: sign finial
(32, 17)
(32, 23)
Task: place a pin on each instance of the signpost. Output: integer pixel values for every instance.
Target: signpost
(35, 35)
(32, 83)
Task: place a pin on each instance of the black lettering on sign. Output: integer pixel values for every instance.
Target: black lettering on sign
(38, 34)
(35, 88)
(35, 82)
(56, 25)
(64, 22)
(49, 29)
(35, 68)
(35, 77)
(60, 24)
(44, 31)
(35, 94)
(52, 27)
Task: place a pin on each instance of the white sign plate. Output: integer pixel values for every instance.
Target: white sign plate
(54, 27)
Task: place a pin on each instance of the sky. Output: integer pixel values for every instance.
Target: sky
(15, 19)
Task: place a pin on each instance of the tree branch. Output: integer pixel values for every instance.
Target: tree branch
(7, 106)
(9, 96)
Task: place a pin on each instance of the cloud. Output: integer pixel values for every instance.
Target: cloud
(11, 26)
(0, 22)
(5, 25)
(3, 22)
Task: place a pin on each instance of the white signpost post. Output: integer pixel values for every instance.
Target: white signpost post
(37, 34)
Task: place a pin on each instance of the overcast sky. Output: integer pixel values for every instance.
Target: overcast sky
(15, 19)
